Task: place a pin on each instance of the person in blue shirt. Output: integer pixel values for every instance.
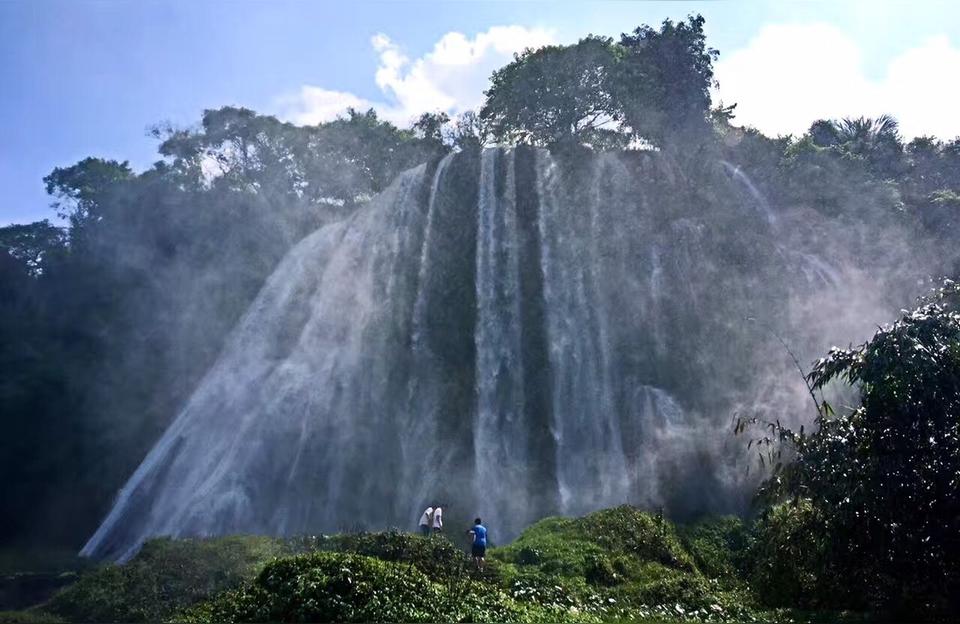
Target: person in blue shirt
(479, 547)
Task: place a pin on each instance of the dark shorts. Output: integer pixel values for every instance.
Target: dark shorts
(424, 530)
(479, 551)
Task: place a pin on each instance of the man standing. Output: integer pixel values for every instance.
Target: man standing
(437, 519)
(425, 520)
(479, 548)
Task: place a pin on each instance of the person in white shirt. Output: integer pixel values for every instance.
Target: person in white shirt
(437, 519)
(425, 521)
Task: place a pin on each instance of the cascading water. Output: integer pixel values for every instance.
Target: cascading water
(591, 466)
(511, 334)
(501, 436)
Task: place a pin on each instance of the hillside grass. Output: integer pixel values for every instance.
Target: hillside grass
(615, 565)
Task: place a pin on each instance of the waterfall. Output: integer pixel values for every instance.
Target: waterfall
(759, 200)
(279, 434)
(590, 460)
(500, 439)
(423, 459)
(510, 333)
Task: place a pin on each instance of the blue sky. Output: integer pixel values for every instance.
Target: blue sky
(84, 78)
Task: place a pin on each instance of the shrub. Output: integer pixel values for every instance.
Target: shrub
(436, 557)
(881, 479)
(599, 571)
(528, 556)
(32, 616)
(790, 557)
(166, 575)
(565, 545)
(327, 587)
(337, 587)
(671, 588)
(718, 546)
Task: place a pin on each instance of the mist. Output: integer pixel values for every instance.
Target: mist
(560, 302)
(520, 334)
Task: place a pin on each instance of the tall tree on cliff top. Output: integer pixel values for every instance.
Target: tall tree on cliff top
(662, 82)
(554, 94)
(653, 86)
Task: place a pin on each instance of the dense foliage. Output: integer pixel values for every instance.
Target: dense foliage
(874, 491)
(614, 564)
(165, 576)
(652, 86)
(106, 327)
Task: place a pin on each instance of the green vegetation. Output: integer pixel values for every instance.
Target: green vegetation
(622, 562)
(717, 546)
(871, 494)
(651, 86)
(328, 587)
(29, 617)
(166, 575)
(617, 564)
(107, 324)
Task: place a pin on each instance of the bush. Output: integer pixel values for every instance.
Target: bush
(670, 588)
(528, 556)
(436, 557)
(166, 575)
(32, 616)
(718, 546)
(599, 571)
(881, 479)
(790, 557)
(337, 587)
(622, 563)
(328, 587)
(565, 546)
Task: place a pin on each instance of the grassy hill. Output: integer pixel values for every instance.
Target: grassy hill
(614, 565)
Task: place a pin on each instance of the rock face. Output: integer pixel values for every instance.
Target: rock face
(517, 335)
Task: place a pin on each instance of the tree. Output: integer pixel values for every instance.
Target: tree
(824, 133)
(81, 190)
(885, 477)
(652, 86)
(876, 141)
(431, 127)
(662, 82)
(326, 167)
(33, 244)
(105, 331)
(469, 131)
(554, 94)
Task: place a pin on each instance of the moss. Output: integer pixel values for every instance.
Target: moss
(165, 576)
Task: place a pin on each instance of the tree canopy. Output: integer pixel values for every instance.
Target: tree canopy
(555, 93)
(881, 482)
(651, 86)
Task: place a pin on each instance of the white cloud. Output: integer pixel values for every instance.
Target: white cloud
(313, 105)
(790, 75)
(451, 77)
